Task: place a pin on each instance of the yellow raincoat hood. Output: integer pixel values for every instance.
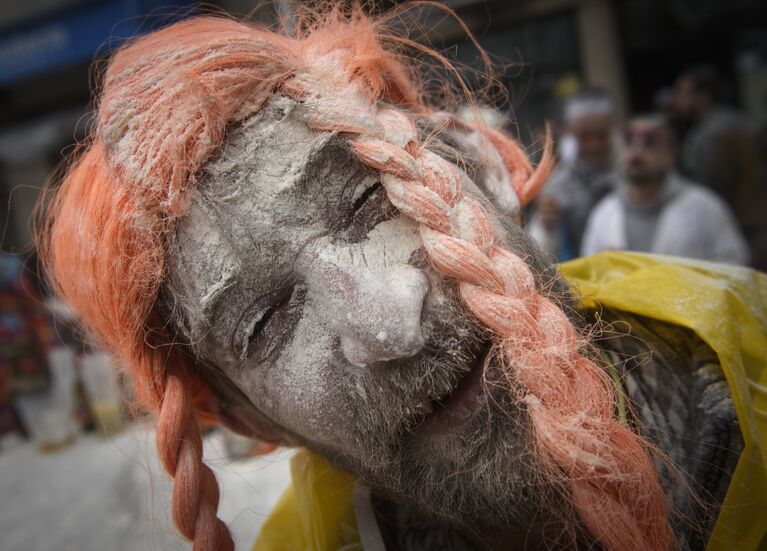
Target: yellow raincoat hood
(725, 305)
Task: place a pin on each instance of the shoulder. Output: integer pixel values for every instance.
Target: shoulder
(725, 119)
(601, 226)
(694, 195)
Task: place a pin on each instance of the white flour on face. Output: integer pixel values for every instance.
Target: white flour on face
(270, 215)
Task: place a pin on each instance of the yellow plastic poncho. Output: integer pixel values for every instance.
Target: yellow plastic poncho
(725, 305)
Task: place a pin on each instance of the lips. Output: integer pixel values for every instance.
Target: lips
(454, 409)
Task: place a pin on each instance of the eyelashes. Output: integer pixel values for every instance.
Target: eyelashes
(368, 193)
(368, 207)
(263, 321)
(266, 332)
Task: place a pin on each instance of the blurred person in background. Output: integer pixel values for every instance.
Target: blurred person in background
(656, 210)
(720, 152)
(664, 103)
(584, 175)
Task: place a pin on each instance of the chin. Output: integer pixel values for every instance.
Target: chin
(474, 467)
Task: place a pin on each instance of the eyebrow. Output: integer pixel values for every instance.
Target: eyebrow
(216, 294)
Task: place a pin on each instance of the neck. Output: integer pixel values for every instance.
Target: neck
(404, 527)
(645, 192)
(527, 538)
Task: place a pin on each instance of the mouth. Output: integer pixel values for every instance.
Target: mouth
(453, 409)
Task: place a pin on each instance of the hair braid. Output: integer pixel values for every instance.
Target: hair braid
(179, 445)
(602, 465)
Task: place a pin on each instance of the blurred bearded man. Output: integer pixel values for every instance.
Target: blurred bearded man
(720, 152)
(656, 210)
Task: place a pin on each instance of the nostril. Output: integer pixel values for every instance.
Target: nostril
(355, 352)
(405, 342)
(382, 348)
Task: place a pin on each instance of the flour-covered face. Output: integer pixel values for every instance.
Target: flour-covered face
(293, 277)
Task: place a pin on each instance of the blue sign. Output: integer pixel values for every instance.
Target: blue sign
(77, 35)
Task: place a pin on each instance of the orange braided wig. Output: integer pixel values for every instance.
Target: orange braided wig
(166, 103)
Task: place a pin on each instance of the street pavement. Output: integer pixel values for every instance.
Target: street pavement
(111, 494)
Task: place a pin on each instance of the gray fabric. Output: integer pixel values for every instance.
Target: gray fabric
(642, 220)
(370, 533)
(640, 228)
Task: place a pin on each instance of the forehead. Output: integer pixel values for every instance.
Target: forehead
(591, 122)
(646, 126)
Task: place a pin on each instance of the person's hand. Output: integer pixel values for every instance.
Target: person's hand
(549, 211)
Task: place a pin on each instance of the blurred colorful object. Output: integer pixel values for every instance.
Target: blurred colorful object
(26, 334)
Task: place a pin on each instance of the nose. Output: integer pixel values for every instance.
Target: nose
(374, 310)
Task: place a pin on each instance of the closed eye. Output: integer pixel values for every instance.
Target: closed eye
(266, 316)
(261, 323)
(363, 198)
(369, 207)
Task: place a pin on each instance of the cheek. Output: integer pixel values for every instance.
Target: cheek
(305, 390)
